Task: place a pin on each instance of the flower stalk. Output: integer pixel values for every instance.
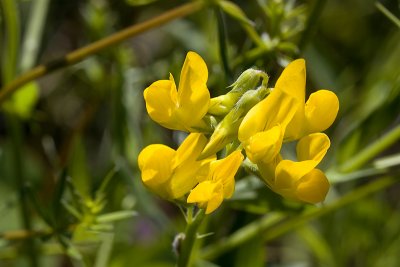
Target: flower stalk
(186, 247)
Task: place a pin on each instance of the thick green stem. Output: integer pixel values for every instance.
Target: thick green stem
(371, 151)
(189, 240)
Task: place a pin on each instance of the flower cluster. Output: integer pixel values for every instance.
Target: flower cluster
(251, 120)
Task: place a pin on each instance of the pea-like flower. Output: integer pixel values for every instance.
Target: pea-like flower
(218, 184)
(172, 173)
(263, 127)
(181, 109)
(300, 180)
(320, 110)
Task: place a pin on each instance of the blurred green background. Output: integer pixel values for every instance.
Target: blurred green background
(70, 189)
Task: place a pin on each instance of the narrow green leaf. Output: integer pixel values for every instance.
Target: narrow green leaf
(235, 12)
(116, 216)
(104, 252)
(78, 169)
(72, 210)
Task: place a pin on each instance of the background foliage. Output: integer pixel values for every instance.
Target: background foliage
(70, 190)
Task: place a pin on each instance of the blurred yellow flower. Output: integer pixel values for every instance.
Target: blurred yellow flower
(263, 127)
(219, 183)
(181, 109)
(320, 110)
(172, 173)
(300, 180)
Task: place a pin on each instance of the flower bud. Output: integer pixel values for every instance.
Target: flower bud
(226, 131)
(248, 80)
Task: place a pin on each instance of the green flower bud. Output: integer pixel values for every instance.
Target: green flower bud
(226, 131)
(248, 80)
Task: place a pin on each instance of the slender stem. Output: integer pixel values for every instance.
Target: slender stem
(351, 197)
(271, 229)
(12, 23)
(246, 233)
(95, 47)
(16, 138)
(312, 22)
(371, 151)
(12, 27)
(33, 34)
(388, 14)
(223, 48)
(17, 235)
(190, 238)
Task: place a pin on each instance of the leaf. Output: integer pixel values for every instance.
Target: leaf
(235, 12)
(78, 169)
(23, 101)
(115, 216)
(139, 2)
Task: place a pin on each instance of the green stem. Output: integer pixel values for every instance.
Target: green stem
(12, 24)
(351, 197)
(190, 237)
(33, 34)
(269, 227)
(251, 55)
(223, 48)
(371, 151)
(241, 236)
(388, 14)
(95, 47)
(254, 35)
(311, 22)
(16, 139)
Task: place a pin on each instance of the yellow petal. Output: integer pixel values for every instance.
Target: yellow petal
(295, 129)
(187, 169)
(267, 170)
(214, 203)
(293, 80)
(313, 147)
(155, 163)
(224, 171)
(208, 195)
(313, 187)
(277, 108)
(161, 102)
(193, 94)
(264, 146)
(190, 148)
(321, 110)
(288, 172)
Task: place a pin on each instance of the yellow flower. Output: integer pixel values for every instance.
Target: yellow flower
(300, 180)
(172, 173)
(181, 109)
(320, 110)
(218, 184)
(263, 127)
